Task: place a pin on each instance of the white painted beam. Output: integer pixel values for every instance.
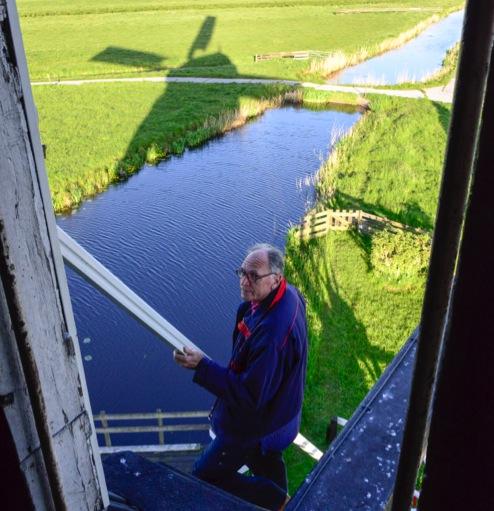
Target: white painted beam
(103, 279)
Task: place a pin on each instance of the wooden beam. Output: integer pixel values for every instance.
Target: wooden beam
(50, 415)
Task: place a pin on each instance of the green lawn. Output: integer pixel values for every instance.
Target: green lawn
(359, 316)
(203, 38)
(98, 133)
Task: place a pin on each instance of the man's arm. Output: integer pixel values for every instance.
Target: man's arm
(250, 389)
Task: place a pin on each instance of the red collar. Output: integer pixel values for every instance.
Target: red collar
(270, 301)
(279, 294)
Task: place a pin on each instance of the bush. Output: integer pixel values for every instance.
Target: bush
(400, 255)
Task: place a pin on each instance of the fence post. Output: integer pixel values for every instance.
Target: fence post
(161, 434)
(332, 430)
(104, 425)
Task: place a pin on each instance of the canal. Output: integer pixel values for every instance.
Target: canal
(174, 234)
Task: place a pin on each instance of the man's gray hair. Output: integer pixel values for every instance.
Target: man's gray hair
(275, 256)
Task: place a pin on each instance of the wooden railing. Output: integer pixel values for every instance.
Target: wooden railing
(289, 55)
(106, 430)
(318, 224)
(160, 428)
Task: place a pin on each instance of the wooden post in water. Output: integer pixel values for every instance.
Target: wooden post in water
(104, 425)
(161, 434)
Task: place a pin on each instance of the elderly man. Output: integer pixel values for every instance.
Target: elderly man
(259, 395)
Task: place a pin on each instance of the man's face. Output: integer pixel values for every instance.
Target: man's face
(256, 289)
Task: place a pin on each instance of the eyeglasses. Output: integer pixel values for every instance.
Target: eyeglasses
(252, 276)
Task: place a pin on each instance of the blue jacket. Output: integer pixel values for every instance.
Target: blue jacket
(261, 390)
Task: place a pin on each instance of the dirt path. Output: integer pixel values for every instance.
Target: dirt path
(443, 93)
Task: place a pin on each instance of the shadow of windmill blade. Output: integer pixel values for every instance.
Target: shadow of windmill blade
(131, 58)
(203, 37)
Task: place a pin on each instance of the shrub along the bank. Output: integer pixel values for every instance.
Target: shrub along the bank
(400, 255)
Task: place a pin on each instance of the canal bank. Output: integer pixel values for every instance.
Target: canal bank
(360, 313)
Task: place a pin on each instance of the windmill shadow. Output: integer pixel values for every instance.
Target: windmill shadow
(145, 61)
(152, 130)
(342, 356)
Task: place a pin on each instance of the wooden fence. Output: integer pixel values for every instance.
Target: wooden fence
(160, 428)
(290, 55)
(318, 224)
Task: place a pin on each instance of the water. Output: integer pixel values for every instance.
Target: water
(414, 61)
(174, 234)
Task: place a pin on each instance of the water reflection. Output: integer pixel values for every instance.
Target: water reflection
(414, 61)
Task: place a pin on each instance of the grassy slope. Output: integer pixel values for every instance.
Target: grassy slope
(358, 318)
(129, 42)
(390, 171)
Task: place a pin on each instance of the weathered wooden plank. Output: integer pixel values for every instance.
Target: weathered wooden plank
(313, 227)
(19, 414)
(43, 332)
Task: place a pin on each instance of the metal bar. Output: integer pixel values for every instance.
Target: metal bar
(101, 278)
(151, 416)
(468, 100)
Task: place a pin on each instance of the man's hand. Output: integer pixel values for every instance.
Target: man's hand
(189, 358)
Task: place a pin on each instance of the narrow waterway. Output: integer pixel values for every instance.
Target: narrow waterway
(174, 234)
(413, 62)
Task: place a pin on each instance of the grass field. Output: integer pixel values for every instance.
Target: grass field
(203, 38)
(359, 316)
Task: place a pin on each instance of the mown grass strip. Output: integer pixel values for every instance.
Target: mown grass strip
(194, 42)
(364, 293)
(33, 8)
